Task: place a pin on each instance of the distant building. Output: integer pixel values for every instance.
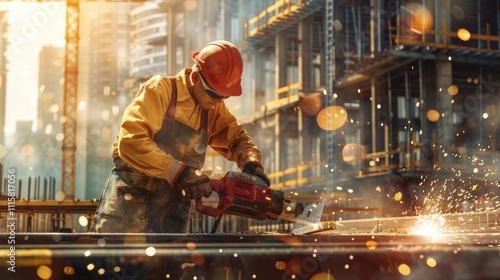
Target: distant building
(50, 97)
(148, 32)
(49, 111)
(21, 147)
(104, 64)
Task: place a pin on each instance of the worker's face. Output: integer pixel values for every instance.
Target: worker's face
(204, 95)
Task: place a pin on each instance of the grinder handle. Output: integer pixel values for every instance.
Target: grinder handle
(217, 187)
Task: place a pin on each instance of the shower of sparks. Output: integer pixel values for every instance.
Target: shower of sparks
(429, 225)
(465, 193)
(458, 195)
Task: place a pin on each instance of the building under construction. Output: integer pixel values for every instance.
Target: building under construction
(386, 108)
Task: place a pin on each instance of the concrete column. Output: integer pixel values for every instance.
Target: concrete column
(443, 17)
(445, 124)
(305, 79)
(281, 65)
(443, 76)
(305, 55)
(281, 80)
(259, 81)
(374, 123)
(373, 27)
(225, 20)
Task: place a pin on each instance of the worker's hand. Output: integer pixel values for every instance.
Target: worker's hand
(194, 183)
(256, 169)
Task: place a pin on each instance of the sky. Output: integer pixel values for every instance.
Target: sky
(32, 25)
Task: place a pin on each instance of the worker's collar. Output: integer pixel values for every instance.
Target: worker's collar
(184, 93)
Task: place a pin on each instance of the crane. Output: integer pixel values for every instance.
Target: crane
(70, 89)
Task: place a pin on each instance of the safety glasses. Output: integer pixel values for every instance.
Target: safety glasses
(212, 93)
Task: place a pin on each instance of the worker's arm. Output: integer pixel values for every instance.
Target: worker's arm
(141, 121)
(228, 138)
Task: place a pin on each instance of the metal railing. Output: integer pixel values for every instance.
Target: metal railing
(35, 206)
(269, 16)
(419, 157)
(443, 38)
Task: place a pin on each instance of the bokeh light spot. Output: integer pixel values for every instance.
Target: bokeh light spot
(458, 12)
(404, 269)
(398, 196)
(60, 196)
(44, 272)
(310, 104)
(54, 108)
(332, 117)
(69, 270)
(453, 90)
(353, 153)
(127, 196)
(421, 19)
(83, 221)
(59, 137)
(431, 262)
(191, 245)
(433, 115)
(371, 244)
(338, 25)
(27, 150)
(150, 251)
(280, 265)
(463, 34)
(101, 242)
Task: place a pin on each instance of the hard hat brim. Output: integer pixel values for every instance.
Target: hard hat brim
(233, 90)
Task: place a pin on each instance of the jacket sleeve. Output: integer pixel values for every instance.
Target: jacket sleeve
(228, 137)
(141, 121)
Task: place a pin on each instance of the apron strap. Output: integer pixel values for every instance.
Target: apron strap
(173, 102)
(204, 119)
(173, 99)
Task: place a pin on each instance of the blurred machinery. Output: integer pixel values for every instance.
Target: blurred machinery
(252, 256)
(390, 73)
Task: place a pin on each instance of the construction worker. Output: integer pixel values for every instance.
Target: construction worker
(162, 141)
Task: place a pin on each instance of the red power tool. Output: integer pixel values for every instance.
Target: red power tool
(246, 195)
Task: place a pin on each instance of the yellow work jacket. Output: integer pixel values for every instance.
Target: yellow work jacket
(143, 119)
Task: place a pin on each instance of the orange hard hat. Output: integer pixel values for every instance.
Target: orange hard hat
(222, 66)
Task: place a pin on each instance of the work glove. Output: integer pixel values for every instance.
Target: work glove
(194, 183)
(256, 169)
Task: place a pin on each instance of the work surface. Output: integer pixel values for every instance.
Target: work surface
(250, 256)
